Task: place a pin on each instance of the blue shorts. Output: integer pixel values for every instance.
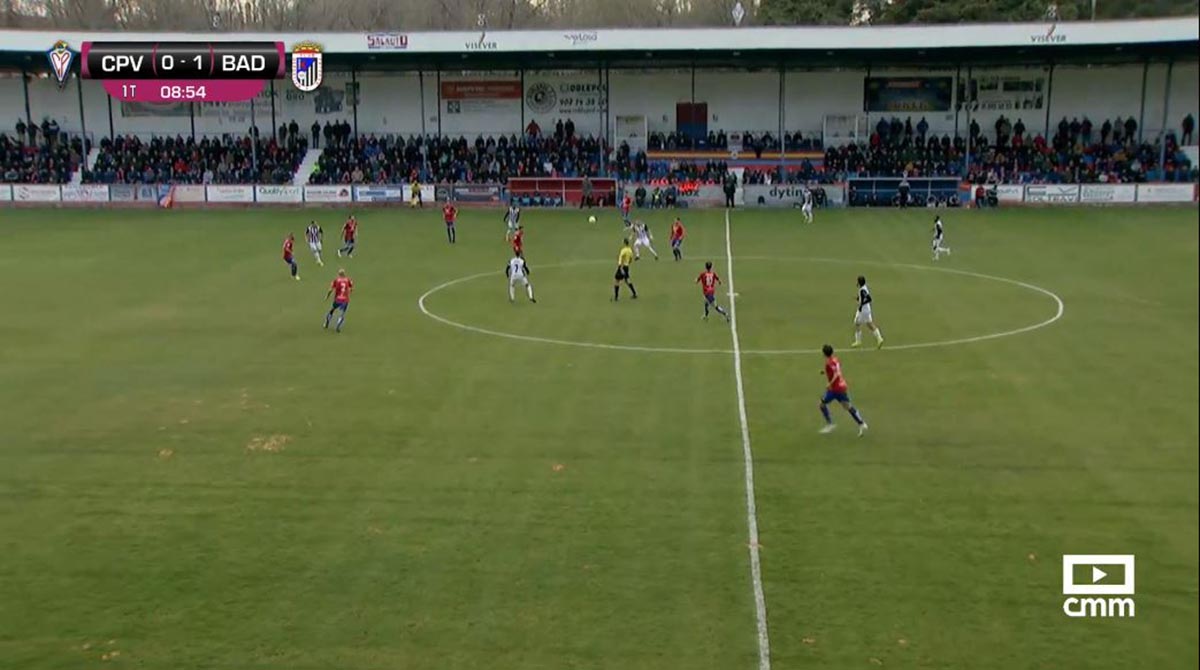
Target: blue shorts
(675, 243)
(289, 261)
(710, 298)
(340, 305)
(835, 396)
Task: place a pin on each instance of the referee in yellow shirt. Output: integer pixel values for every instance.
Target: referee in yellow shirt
(624, 260)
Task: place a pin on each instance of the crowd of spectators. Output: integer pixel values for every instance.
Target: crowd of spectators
(752, 142)
(394, 159)
(40, 154)
(209, 160)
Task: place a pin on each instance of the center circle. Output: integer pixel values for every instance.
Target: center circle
(1058, 311)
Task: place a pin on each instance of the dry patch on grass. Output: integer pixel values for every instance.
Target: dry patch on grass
(165, 454)
(271, 443)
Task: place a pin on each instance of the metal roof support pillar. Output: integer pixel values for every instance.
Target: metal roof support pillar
(82, 119)
(274, 126)
(970, 100)
(1162, 131)
(421, 85)
(28, 114)
(439, 101)
(191, 116)
(602, 94)
(254, 140)
(521, 72)
(1049, 99)
(782, 144)
(1142, 108)
(958, 86)
(354, 100)
(112, 135)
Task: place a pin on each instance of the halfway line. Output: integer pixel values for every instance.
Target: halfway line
(760, 600)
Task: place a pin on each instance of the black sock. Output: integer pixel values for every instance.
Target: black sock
(616, 292)
(632, 290)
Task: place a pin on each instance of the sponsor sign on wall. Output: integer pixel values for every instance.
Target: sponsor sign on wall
(1166, 192)
(189, 193)
(1055, 194)
(472, 193)
(568, 93)
(274, 193)
(380, 193)
(36, 193)
(6, 193)
(480, 97)
(387, 41)
(84, 193)
(122, 193)
(1010, 193)
(1107, 193)
(230, 193)
(327, 194)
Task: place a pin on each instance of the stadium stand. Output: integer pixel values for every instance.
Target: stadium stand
(44, 156)
(180, 160)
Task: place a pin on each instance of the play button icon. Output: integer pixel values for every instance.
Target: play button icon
(1098, 574)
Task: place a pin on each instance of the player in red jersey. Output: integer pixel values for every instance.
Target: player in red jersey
(288, 243)
(450, 214)
(349, 236)
(838, 390)
(518, 241)
(708, 281)
(626, 205)
(340, 289)
(677, 235)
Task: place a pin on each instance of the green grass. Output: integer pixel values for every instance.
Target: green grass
(448, 499)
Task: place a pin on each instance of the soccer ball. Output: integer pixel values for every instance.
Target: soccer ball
(591, 219)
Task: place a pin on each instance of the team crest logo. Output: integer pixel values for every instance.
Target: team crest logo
(306, 66)
(61, 57)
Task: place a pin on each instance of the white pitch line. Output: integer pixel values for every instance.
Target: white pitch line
(760, 600)
(755, 352)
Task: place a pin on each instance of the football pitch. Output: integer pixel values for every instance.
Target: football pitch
(195, 474)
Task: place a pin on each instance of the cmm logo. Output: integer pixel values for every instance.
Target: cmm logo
(1096, 575)
(1051, 36)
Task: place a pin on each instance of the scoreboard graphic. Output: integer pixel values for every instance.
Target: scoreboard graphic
(158, 72)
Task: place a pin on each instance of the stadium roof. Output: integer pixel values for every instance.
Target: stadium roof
(1102, 41)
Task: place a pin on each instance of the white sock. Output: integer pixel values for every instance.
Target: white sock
(857, 336)
(878, 335)
(529, 290)
(510, 292)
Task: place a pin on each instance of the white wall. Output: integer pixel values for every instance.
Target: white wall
(737, 100)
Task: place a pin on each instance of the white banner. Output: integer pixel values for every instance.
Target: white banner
(1057, 194)
(189, 193)
(1166, 192)
(1107, 193)
(5, 193)
(84, 193)
(36, 193)
(327, 194)
(381, 193)
(231, 193)
(428, 193)
(1010, 193)
(292, 194)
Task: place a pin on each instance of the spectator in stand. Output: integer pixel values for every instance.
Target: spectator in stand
(922, 128)
(1019, 129)
(533, 129)
(316, 135)
(1085, 130)
(21, 131)
(570, 129)
(293, 132)
(1188, 126)
(1130, 129)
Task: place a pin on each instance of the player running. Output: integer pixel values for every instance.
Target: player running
(289, 243)
(512, 218)
(677, 235)
(938, 239)
(838, 390)
(340, 289)
(807, 206)
(315, 235)
(349, 237)
(708, 281)
(863, 316)
(626, 205)
(642, 239)
(624, 260)
(517, 272)
(518, 241)
(450, 214)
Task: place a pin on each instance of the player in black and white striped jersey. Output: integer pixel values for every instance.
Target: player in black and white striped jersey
(864, 317)
(939, 232)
